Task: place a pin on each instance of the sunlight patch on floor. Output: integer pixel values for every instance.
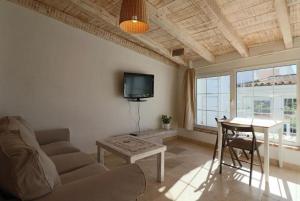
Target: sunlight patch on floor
(294, 190)
(174, 192)
(204, 178)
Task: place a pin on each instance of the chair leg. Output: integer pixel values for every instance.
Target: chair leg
(237, 158)
(251, 167)
(215, 149)
(222, 153)
(231, 155)
(246, 155)
(260, 162)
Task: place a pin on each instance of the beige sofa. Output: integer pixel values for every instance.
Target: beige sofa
(81, 178)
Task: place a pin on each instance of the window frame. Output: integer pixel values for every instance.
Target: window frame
(209, 75)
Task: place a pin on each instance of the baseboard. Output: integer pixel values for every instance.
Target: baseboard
(205, 144)
(167, 139)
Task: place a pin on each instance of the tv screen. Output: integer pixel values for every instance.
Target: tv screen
(138, 86)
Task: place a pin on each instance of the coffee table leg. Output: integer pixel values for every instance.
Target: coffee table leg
(100, 155)
(160, 166)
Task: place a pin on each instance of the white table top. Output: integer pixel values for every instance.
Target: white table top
(129, 145)
(263, 123)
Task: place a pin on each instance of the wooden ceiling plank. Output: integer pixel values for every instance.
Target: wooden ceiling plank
(101, 13)
(159, 18)
(165, 5)
(284, 23)
(225, 27)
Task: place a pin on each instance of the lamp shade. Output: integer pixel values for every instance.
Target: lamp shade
(133, 16)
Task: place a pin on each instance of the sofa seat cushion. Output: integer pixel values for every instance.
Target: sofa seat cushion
(86, 171)
(68, 162)
(56, 148)
(123, 184)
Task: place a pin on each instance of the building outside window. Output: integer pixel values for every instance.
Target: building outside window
(213, 100)
(290, 106)
(262, 107)
(269, 93)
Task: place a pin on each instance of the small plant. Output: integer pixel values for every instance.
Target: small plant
(166, 119)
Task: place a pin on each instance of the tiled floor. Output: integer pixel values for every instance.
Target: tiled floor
(190, 176)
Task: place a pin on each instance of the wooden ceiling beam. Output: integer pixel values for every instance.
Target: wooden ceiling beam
(100, 13)
(158, 16)
(224, 26)
(284, 22)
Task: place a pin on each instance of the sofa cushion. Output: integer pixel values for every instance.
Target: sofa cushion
(123, 184)
(16, 124)
(25, 170)
(86, 171)
(68, 162)
(56, 148)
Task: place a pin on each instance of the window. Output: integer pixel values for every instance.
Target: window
(269, 93)
(213, 100)
(262, 107)
(290, 106)
(289, 128)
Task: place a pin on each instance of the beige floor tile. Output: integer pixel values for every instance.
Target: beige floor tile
(190, 175)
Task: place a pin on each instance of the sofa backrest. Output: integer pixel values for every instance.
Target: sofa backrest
(26, 171)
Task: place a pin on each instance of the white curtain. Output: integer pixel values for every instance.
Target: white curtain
(189, 112)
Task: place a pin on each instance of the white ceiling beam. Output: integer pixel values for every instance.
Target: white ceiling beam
(98, 12)
(224, 26)
(284, 22)
(159, 17)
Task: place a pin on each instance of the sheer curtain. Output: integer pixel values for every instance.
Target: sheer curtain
(189, 112)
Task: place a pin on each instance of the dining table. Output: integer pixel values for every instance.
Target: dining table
(263, 126)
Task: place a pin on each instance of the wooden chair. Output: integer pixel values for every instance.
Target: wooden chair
(216, 144)
(226, 140)
(243, 143)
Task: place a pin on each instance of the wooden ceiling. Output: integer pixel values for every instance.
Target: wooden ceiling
(204, 28)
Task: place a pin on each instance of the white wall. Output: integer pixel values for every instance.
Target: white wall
(58, 76)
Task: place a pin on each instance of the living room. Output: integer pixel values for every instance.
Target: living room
(66, 65)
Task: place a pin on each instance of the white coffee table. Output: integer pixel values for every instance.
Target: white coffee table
(132, 149)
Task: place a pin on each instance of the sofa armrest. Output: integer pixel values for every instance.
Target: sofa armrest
(123, 184)
(53, 135)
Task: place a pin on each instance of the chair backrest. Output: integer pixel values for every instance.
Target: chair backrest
(224, 118)
(238, 128)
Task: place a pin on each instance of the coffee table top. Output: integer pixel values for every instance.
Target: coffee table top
(130, 145)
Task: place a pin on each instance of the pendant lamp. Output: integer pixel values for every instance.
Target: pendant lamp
(133, 16)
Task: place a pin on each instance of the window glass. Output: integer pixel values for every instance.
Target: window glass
(269, 93)
(213, 100)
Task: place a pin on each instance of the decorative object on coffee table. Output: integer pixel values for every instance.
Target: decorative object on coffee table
(132, 149)
(166, 121)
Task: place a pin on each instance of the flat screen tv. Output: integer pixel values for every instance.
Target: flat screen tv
(138, 86)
